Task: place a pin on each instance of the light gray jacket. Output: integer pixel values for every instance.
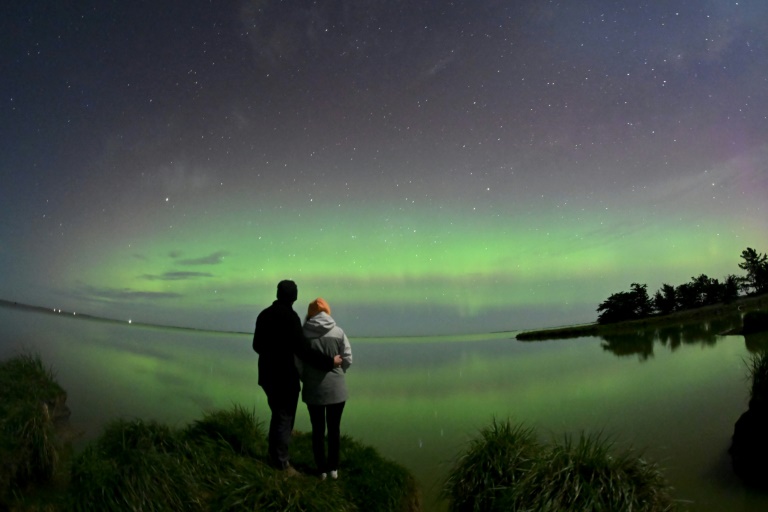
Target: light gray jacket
(325, 388)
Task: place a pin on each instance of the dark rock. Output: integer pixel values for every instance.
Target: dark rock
(749, 447)
(755, 321)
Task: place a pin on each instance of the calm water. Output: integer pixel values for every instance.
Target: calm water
(418, 400)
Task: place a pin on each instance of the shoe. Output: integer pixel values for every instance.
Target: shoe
(323, 476)
(290, 471)
(335, 474)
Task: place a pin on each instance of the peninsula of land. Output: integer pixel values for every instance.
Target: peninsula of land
(702, 314)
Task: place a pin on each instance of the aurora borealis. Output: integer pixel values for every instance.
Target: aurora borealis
(427, 167)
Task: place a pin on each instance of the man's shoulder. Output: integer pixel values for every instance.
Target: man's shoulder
(278, 311)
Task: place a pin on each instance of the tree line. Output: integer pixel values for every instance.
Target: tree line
(699, 291)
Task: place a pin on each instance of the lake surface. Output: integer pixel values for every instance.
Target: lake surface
(676, 393)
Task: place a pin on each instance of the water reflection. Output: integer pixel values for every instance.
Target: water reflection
(641, 342)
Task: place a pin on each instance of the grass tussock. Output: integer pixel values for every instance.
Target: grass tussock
(30, 403)
(507, 468)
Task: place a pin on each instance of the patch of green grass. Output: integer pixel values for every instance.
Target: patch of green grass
(507, 468)
(258, 487)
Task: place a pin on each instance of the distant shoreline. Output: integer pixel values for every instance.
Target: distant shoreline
(741, 305)
(85, 316)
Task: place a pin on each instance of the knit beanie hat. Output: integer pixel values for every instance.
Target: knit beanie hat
(316, 306)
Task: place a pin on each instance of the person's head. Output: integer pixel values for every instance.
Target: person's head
(287, 291)
(317, 306)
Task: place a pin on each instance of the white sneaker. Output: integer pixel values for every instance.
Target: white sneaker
(335, 474)
(323, 476)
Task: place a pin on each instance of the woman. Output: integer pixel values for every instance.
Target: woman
(325, 392)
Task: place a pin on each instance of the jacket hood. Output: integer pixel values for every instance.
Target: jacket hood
(318, 325)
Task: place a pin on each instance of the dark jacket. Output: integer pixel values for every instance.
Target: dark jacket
(277, 338)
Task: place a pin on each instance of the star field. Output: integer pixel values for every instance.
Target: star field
(428, 167)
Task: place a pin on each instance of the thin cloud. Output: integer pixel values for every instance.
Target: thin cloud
(175, 276)
(211, 259)
(93, 292)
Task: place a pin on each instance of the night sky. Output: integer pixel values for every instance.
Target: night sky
(428, 167)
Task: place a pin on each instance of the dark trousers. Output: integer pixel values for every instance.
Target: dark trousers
(320, 416)
(283, 406)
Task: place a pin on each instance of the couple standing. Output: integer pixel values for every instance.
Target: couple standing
(319, 354)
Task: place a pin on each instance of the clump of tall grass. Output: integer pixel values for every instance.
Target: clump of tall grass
(135, 465)
(496, 461)
(30, 449)
(237, 427)
(507, 468)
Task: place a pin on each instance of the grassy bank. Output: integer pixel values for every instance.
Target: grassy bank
(507, 468)
(697, 315)
(33, 427)
(216, 463)
(220, 463)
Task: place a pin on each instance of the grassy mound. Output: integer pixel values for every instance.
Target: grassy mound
(219, 463)
(507, 468)
(31, 405)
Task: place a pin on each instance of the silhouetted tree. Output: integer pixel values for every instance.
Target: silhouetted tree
(665, 299)
(688, 297)
(756, 265)
(730, 289)
(625, 305)
(700, 291)
(710, 290)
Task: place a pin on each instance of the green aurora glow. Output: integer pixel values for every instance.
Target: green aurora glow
(469, 264)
